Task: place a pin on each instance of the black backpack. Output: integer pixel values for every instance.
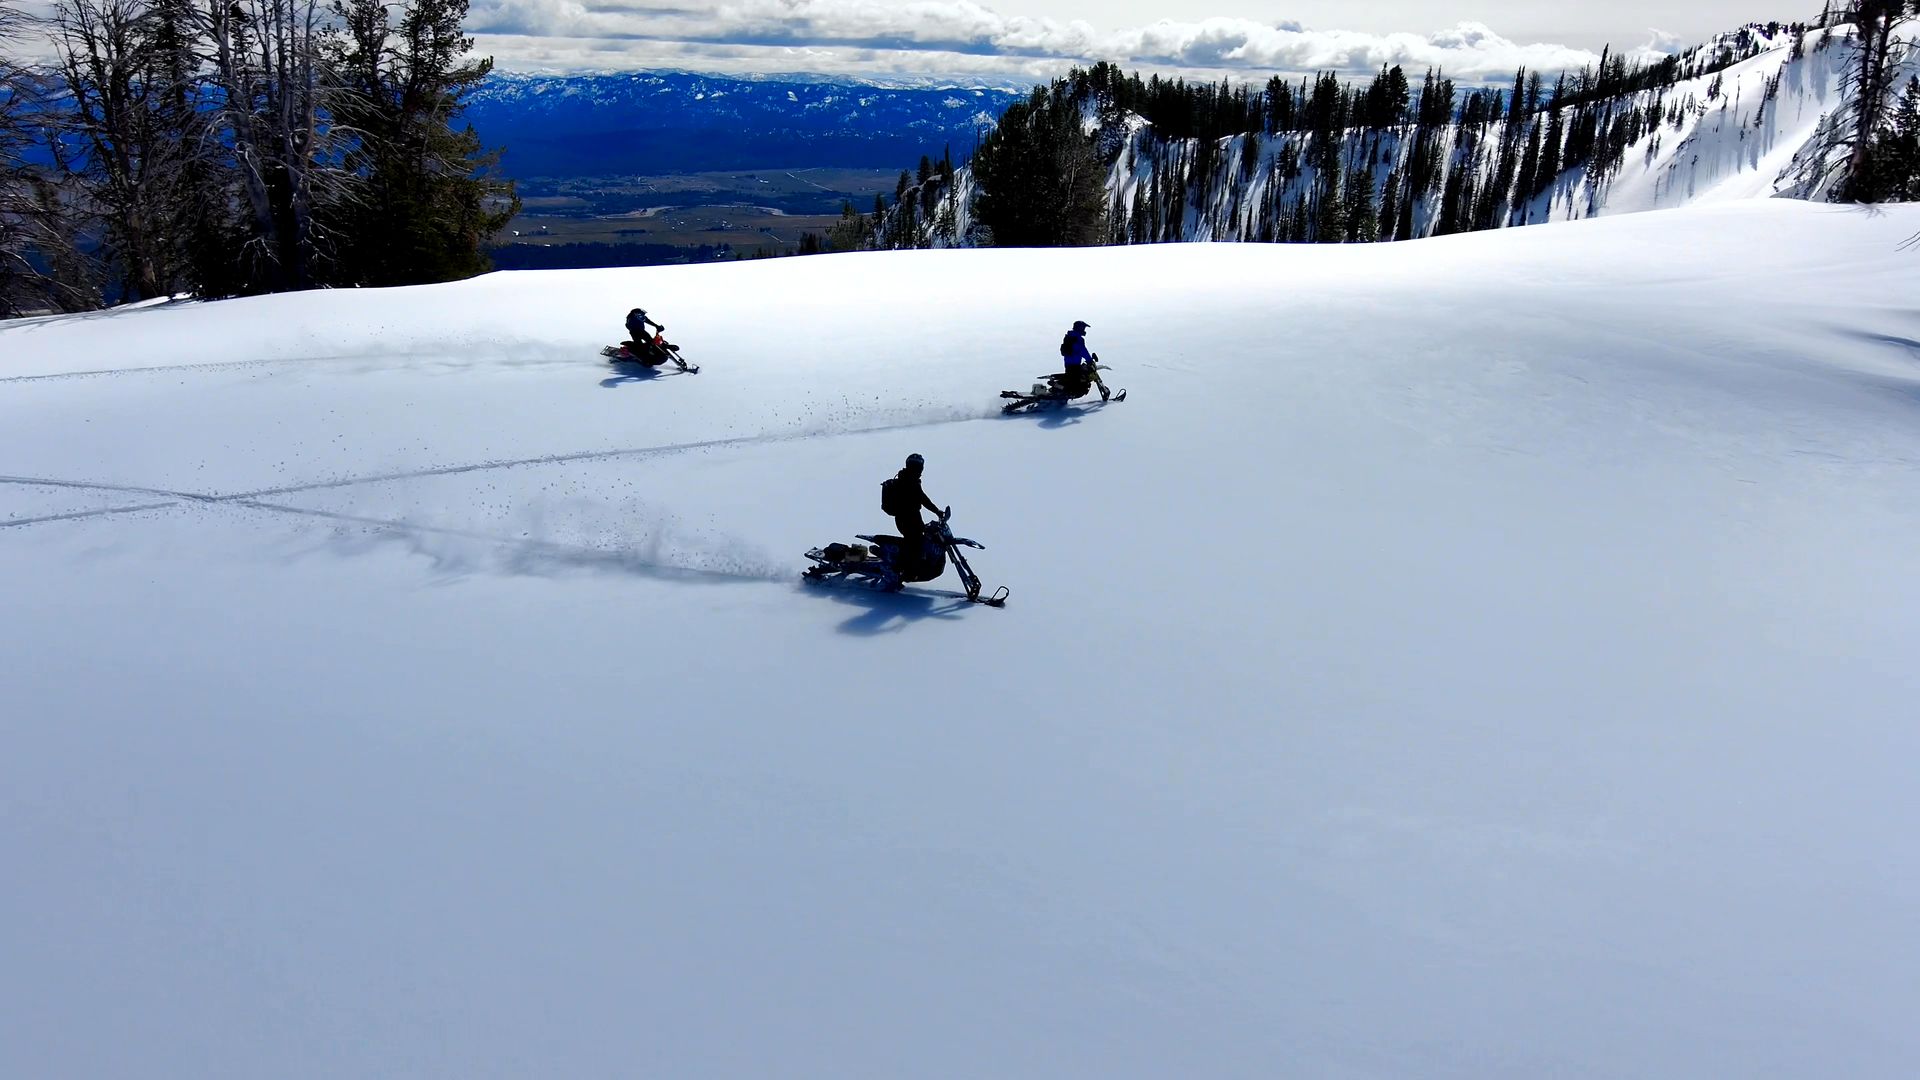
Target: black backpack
(1066, 346)
(895, 499)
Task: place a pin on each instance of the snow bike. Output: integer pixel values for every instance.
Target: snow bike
(1059, 388)
(884, 565)
(655, 353)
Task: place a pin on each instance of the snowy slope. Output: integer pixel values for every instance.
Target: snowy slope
(1736, 136)
(1482, 657)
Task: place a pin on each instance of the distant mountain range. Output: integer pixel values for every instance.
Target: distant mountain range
(670, 122)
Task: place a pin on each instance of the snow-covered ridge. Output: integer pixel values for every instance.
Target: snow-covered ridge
(1736, 133)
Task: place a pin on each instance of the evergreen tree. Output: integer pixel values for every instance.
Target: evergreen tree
(1389, 208)
(1549, 165)
(1526, 184)
(1041, 182)
(428, 207)
(1362, 223)
(852, 232)
(1330, 218)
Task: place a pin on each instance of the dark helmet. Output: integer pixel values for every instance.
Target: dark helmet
(1081, 326)
(915, 462)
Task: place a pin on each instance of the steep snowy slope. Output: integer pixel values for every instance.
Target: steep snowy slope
(1486, 657)
(1735, 132)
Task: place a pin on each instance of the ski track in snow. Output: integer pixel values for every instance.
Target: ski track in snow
(482, 466)
(521, 548)
(80, 515)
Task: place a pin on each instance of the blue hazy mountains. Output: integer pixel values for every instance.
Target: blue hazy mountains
(663, 122)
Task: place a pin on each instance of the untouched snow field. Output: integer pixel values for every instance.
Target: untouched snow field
(1483, 657)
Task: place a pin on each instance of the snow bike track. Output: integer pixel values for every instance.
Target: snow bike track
(254, 499)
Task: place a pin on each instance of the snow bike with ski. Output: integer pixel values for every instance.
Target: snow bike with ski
(883, 563)
(1055, 391)
(654, 353)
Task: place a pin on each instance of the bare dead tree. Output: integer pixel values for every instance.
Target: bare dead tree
(271, 94)
(136, 130)
(41, 266)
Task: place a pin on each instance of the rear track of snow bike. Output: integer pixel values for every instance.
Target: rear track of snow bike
(1058, 395)
(824, 578)
(1018, 402)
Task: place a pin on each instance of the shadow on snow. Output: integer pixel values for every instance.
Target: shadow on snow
(634, 372)
(891, 613)
(1063, 416)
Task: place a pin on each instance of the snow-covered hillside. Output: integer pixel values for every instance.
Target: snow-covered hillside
(1485, 657)
(1740, 130)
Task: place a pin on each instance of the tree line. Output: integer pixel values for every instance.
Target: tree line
(232, 147)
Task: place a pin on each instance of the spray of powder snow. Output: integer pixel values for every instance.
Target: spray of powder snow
(549, 536)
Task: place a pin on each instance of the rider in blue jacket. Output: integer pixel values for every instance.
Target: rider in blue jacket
(1082, 367)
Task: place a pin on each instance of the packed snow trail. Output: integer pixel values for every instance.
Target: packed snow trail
(1481, 657)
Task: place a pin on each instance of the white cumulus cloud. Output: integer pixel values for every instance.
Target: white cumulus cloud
(967, 37)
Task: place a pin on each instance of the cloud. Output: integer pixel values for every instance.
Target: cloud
(1659, 46)
(1469, 50)
(962, 38)
(965, 37)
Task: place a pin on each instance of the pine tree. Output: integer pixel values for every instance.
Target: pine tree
(1362, 223)
(852, 232)
(427, 207)
(1390, 208)
(1548, 168)
(1527, 183)
(1330, 217)
(1041, 182)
